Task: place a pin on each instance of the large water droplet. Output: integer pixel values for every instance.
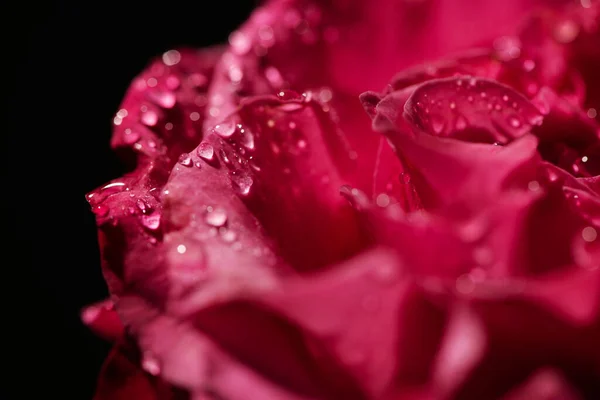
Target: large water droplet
(149, 118)
(171, 57)
(150, 364)
(151, 221)
(205, 151)
(243, 182)
(163, 98)
(437, 124)
(247, 139)
(514, 122)
(225, 129)
(215, 217)
(185, 160)
(130, 137)
(141, 205)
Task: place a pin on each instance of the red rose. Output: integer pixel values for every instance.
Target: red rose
(267, 244)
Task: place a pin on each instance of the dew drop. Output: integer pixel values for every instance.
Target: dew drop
(592, 113)
(404, 178)
(461, 122)
(225, 129)
(185, 160)
(383, 200)
(452, 105)
(194, 116)
(205, 151)
(566, 31)
(528, 65)
(198, 164)
(514, 122)
(240, 43)
(589, 234)
(141, 205)
(533, 186)
(151, 221)
(171, 57)
(163, 98)
(437, 124)
(227, 235)
(243, 182)
(130, 137)
(149, 118)
(101, 210)
(247, 139)
(150, 364)
(216, 217)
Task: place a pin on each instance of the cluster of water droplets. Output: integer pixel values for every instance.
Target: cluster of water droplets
(475, 102)
(166, 100)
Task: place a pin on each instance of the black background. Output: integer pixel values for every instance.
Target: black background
(69, 64)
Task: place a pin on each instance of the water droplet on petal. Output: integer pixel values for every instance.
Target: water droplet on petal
(150, 364)
(141, 205)
(205, 151)
(185, 160)
(149, 118)
(101, 210)
(514, 122)
(566, 31)
(404, 178)
(240, 43)
(225, 129)
(151, 221)
(163, 98)
(461, 122)
(216, 217)
(171, 57)
(227, 235)
(437, 124)
(589, 234)
(247, 139)
(130, 137)
(243, 182)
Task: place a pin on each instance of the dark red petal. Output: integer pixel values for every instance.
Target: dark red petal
(122, 378)
(103, 320)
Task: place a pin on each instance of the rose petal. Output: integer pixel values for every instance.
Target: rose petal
(275, 164)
